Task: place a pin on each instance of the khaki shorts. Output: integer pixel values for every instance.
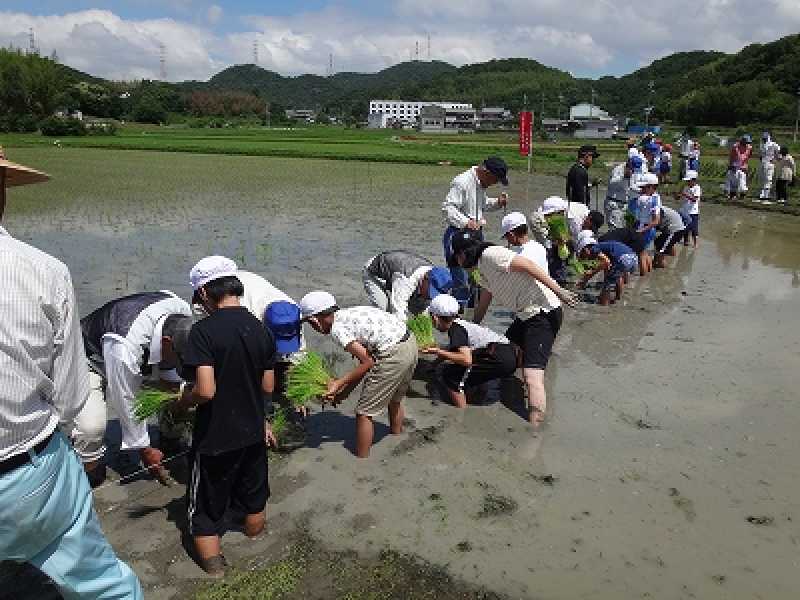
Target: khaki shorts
(388, 380)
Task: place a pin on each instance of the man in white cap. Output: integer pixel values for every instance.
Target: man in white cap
(769, 154)
(403, 283)
(128, 341)
(475, 354)
(228, 357)
(46, 513)
(386, 353)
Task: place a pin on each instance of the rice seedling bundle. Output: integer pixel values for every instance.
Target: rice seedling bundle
(579, 267)
(422, 327)
(150, 402)
(558, 228)
(307, 379)
(279, 423)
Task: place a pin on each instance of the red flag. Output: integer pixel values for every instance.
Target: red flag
(525, 119)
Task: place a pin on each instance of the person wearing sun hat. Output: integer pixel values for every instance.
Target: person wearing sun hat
(648, 207)
(475, 354)
(386, 353)
(229, 359)
(403, 283)
(46, 507)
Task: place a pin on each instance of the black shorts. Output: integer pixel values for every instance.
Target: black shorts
(235, 480)
(536, 336)
(665, 241)
(495, 362)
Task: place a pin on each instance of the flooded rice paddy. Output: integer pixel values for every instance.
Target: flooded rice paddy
(668, 468)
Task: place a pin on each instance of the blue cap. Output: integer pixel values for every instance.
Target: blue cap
(440, 281)
(635, 161)
(652, 147)
(283, 320)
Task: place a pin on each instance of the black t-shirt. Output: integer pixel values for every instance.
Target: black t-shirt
(578, 184)
(458, 337)
(240, 349)
(632, 239)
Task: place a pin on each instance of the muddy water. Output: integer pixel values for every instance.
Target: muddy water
(668, 468)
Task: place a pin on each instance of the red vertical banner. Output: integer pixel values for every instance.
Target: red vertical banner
(525, 121)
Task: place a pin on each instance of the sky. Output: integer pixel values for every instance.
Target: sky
(120, 39)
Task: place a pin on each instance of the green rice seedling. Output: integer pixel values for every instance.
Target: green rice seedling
(475, 277)
(307, 379)
(279, 423)
(559, 228)
(579, 267)
(422, 327)
(150, 402)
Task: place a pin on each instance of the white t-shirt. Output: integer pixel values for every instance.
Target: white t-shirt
(649, 206)
(691, 199)
(479, 336)
(617, 184)
(259, 294)
(376, 330)
(516, 291)
(535, 252)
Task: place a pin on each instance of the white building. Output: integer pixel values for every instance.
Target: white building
(584, 110)
(406, 112)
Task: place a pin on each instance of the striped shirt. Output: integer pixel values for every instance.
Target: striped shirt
(514, 290)
(44, 378)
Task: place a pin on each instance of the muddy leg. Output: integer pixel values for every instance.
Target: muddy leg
(365, 430)
(619, 287)
(459, 399)
(604, 299)
(254, 524)
(534, 379)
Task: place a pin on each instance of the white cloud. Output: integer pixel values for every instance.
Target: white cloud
(589, 39)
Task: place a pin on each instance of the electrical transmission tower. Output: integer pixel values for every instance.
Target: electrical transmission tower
(255, 52)
(162, 61)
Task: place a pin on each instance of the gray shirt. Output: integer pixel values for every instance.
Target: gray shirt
(44, 378)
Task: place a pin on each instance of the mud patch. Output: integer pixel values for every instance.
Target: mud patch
(363, 522)
(495, 505)
(685, 505)
(761, 520)
(419, 438)
(544, 479)
(282, 485)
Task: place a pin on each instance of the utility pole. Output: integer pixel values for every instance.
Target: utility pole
(541, 114)
(255, 52)
(162, 61)
(416, 51)
(268, 114)
(591, 105)
(649, 108)
(797, 117)
(560, 104)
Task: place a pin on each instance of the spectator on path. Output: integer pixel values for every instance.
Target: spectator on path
(686, 146)
(464, 207)
(578, 176)
(740, 154)
(403, 283)
(46, 513)
(786, 172)
(770, 150)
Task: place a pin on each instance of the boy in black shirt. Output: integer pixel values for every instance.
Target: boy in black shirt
(229, 357)
(476, 354)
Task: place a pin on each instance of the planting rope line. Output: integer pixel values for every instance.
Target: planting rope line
(141, 471)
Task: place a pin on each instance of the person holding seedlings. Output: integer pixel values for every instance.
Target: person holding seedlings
(475, 354)
(615, 259)
(671, 229)
(523, 286)
(46, 515)
(127, 341)
(228, 357)
(403, 283)
(464, 207)
(577, 190)
(635, 241)
(386, 353)
(690, 196)
(785, 172)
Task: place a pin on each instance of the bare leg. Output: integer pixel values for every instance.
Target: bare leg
(643, 264)
(396, 416)
(619, 288)
(658, 263)
(626, 279)
(254, 524)
(534, 379)
(604, 299)
(459, 399)
(365, 430)
(207, 546)
(152, 458)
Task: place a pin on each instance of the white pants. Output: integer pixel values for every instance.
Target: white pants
(736, 182)
(89, 427)
(767, 174)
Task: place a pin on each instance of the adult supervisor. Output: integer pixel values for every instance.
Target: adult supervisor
(578, 176)
(403, 283)
(127, 340)
(464, 207)
(46, 513)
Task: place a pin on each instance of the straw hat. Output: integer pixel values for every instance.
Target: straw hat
(18, 174)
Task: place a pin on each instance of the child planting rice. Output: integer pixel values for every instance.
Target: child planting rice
(307, 380)
(615, 259)
(386, 353)
(475, 354)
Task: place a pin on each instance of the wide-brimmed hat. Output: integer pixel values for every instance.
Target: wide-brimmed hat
(16, 174)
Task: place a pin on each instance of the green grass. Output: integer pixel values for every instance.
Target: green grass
(271, 583)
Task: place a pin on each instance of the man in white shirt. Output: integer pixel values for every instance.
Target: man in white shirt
(464, 207)
(127, 341)
(46, 513)
(403, 283)
(769, 154)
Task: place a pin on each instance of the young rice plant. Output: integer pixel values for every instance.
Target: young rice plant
(150, 402)
(307, 380)
(422, 327)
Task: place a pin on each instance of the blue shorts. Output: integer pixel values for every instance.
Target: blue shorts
(648, 237)
(627, 263)
(665, 168)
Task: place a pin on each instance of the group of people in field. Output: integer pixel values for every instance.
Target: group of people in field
(226, 350)
(777, 170)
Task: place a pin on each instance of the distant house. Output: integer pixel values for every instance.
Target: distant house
(407, 112)
(596, 129)
(431, 119)
(585, 110)
(493, 117)
(300, 114)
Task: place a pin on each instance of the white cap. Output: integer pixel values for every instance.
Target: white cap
(512, 221)
(444, 305)
(647, 179)
(553, 204)
(585, 238)
(632, 152)
(209, 269)
(690, 175)
(314, 303)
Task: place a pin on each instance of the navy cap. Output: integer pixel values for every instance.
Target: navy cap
(497, 167)
(283, 320)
